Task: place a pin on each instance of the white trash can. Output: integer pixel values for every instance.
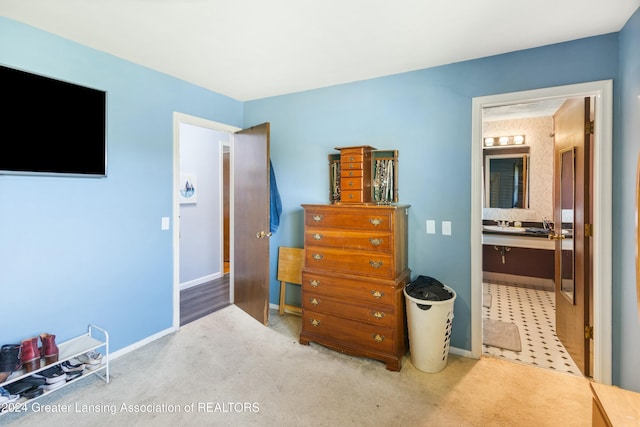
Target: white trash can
(429, 319)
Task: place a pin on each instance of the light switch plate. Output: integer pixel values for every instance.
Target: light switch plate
(446, 228)
(431, 226)
(165, 223)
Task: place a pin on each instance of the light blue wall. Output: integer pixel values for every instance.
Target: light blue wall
(426, 115)
(626, 323)
(75, 251)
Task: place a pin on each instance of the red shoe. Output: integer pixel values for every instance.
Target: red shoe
(29, 354)
(49, 348)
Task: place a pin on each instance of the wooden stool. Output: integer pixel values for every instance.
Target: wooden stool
(290, 262)
(614, 406)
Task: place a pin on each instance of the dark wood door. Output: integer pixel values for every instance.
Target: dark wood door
(251, 221)
(572, 220)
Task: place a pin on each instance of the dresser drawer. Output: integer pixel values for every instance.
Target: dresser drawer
(350, 166)
(350, 332)
(350, 173)
(351, 196)
(367, 291)
(350, 309)
(351, 183)
(333, 218)
(376, 264)
(352, 155)
(365, 240)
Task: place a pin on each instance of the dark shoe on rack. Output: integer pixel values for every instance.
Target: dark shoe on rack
(33, 392)
(49, 348)
(29, 354)
(19, 387)
(52, 375)
(54, 386)
(73, 365)
(9, 360)
(73, 375)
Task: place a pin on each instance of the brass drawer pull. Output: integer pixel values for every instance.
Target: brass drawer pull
(351, 196)
(377, 314)
(377, 294)
(350, 173)
(351, 159)
(314, 283)
(317, 218)
(350, 183)
(378, 337)
(317, 236)
(314, 322)
(314, 301)
(375, 242)
(317, 257)
(376, 264)
(375, 221)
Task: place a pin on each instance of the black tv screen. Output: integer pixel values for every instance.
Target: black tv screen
(50, 127)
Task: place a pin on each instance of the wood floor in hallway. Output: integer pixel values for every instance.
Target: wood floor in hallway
(198, 301)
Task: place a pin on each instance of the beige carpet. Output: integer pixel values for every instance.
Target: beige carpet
(501, 335)
(229, 370)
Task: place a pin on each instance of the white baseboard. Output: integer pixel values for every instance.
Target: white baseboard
(199, 281)
(461, 352)
(140, 343)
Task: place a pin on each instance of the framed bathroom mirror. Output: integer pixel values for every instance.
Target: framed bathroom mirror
(506, 177)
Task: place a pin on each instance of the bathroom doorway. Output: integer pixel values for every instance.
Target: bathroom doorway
(514, 303)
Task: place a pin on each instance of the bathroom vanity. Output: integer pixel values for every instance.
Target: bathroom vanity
(522, 254)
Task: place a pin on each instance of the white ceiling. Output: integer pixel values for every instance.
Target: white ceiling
(250, 49)
(541, 108)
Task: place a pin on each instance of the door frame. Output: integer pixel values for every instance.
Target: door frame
(602, 212)
(179, 118)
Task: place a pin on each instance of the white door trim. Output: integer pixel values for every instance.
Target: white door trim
(602, 212)
(179, 118)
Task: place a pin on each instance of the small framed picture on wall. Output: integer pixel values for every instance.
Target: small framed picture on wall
(188, 191)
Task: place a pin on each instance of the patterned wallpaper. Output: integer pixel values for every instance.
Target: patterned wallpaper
(538, 131)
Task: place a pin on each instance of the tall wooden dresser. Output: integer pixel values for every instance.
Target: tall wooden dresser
(353, 278)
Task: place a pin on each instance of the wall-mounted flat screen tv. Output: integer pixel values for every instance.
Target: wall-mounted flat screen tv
(51, 127)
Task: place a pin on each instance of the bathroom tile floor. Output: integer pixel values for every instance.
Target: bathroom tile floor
(533, 311)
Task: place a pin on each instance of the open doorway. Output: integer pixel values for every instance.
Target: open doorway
(518, 257)
(602, 93)
(201, 234)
